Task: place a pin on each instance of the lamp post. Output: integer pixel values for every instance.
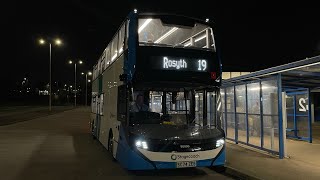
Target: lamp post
(87, 74)
(75, 79)
(57, 42)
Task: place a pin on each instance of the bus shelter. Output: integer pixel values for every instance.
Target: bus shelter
(263, 108)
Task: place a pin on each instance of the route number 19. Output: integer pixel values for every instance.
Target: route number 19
(202, 65)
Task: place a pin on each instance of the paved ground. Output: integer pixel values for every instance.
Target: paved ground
(59, 147)
(316, 132)
(303, 164)
(14, 114)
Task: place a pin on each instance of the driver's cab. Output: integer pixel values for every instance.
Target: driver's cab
(175, 107)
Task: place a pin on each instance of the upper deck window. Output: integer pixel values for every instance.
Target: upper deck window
(155, 33)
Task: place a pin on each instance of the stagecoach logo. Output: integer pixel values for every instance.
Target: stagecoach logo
(184, 157)
(175, 64)
(184, 146)
(173, 157)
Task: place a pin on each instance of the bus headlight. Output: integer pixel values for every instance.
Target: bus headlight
(142, 144)
(219, 142)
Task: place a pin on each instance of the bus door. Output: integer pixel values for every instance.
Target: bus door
(199, 108)
(211, 108)
(205, 108)
(155, 102)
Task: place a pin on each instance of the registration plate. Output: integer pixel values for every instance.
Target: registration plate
(185, 164)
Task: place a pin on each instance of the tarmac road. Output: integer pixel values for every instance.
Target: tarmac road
(59, 146)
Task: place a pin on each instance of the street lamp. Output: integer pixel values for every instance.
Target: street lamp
(75, 79)
(87, 74)
(51, 41)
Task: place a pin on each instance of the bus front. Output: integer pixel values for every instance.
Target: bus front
(174, 98)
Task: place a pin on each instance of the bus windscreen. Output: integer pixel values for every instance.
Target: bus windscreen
(155, 32)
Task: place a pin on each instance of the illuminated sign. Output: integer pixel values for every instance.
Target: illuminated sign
(181, 64)
(175, 64)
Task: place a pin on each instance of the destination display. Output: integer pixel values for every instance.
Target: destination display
(180, 64)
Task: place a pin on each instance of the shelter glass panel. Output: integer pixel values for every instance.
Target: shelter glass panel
(271, 133)
(242, 127)
(230, 126)
(241, 98)
(302, 126)
(230, 99)
(253, 98)
(254, 130)
(270, 97)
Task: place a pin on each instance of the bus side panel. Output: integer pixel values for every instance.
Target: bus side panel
(110, 90)
(117, 70)
(94, 108)
(103, 138)
(106, 121)
(123, 149)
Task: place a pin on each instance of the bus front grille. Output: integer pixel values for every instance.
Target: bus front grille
(181, 146)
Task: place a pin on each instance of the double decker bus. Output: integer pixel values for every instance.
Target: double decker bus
(168, 65)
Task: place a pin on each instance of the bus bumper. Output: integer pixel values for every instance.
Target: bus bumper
(138, 162)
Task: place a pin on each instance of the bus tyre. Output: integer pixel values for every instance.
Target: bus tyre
(110, 146)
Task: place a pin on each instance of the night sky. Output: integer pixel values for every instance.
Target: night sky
(251, 36)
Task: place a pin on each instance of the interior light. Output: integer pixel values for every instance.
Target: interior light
(200, 38)
(114, 57)
(196, 40)
(166, 35)
(219, 105)
(120, 50)
(258, 88)
(188, 44)
(144, 25)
